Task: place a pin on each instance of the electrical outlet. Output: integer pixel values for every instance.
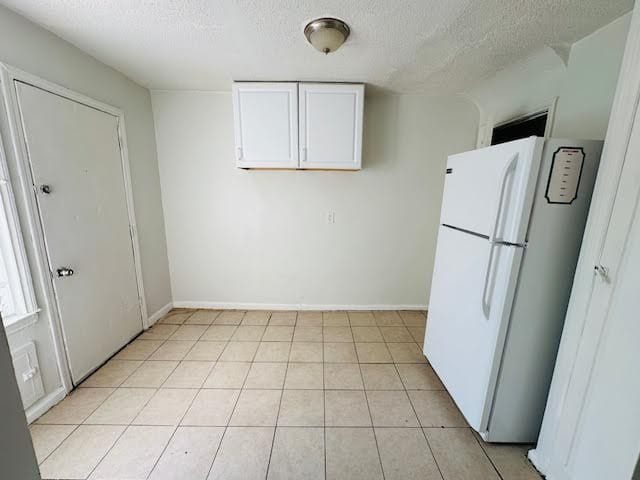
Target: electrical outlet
(331, 217)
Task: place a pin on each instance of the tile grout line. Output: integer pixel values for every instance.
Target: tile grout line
(275, 428)
(424, 435)
(235, 405)
(215, 455)
(126, 427)
(254, 426)
(373, 429)
(107, 452)
(324, 410)
(177, 426)
(75, 427)
(164, 449)
(157, 389)
(251, 362)
(162, 341)
(110, 359)
(422, 429)
(495, 468)
(115, 389)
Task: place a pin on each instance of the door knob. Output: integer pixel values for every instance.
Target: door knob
(64, 272)
(46, 189)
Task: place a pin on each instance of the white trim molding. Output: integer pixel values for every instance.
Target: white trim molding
(488, 124)
(15, 256)
(159, 314)
(21, 322)
(41, 407)
(18, 157)
(294, 306)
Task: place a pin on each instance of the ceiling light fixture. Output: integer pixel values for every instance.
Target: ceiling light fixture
(326, 34)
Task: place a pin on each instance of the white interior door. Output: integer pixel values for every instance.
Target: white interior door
(469, 309)
(77, 169)
(599, 433)
(481, 183)
(331, 126)
(266, 124)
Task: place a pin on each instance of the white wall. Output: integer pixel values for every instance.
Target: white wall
(239, 237)
(29, 47)
(584, 87)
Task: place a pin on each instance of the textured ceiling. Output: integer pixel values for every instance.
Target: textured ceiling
(399, 45)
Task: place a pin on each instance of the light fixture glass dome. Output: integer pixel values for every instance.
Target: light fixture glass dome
(326, 34)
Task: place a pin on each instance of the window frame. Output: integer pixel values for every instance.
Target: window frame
(13, 252)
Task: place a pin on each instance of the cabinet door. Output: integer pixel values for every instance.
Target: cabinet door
(266, 125)
(331, 126)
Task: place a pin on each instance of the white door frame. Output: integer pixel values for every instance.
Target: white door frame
(24, 180)
(487, 123)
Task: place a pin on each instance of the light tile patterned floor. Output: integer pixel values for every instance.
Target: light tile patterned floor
(284, 395)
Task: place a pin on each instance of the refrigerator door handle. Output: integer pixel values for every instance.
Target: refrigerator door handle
(493, 242)
(503, 186)
(486, 303)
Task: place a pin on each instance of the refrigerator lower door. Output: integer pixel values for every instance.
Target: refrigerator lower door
(490, 191)
(469, 310)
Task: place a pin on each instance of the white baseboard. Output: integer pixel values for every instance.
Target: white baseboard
(292, 306)
(541, 464)
(39, 408)
(159, 314)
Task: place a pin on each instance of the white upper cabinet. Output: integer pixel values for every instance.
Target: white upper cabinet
(331, 125)
(266, 124)
(298, 125)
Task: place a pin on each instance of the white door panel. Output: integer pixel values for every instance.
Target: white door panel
(464, 341)
(266, 124)
(474, 183)
(331, 125)
(598, 436)
(74, 149)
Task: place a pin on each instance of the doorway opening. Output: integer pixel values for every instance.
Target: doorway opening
(533, 125)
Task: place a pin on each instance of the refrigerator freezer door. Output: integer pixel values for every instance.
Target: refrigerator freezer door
(490, 191)
(464, 341)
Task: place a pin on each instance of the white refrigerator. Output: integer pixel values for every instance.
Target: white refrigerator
(511, 226)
